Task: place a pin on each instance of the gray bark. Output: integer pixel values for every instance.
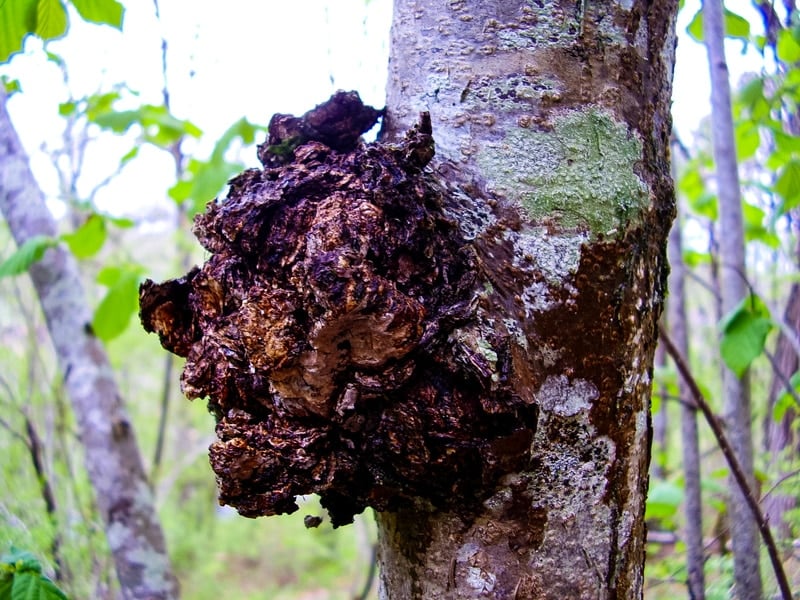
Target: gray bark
(660, 421)
(561, 109)
(780, 438)
(693, 505)
(733, 287)
(122, 493)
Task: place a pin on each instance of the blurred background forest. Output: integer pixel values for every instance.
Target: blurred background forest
(132, 129)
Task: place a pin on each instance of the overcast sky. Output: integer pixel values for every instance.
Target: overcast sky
(251, 59)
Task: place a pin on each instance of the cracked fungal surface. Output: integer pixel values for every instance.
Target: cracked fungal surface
(335, 329)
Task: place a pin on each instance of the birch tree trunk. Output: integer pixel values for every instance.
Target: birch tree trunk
(562, 109)
(733, 288)
(122, 493)
(690, 443)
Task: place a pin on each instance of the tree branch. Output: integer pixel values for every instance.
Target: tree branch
(733, 463)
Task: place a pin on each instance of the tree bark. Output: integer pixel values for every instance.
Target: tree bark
(563, 109)
(122, 493)
(466, 344)
(780, 439)
(733, 288)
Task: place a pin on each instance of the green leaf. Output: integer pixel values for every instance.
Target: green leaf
(116, 121)
(705, 205)
(6, 582)
(17, 20)
(786, 142)
(34, 586)
(736, 26)
(786, 401)
(691, 183)
(752, 91)
(103, 12)
(121, 222)
(787, 185)
(242, 129)
(754, 229)
(181, 191)
(98, 104)
(54, 58)
(129, 155)
(30, 252)
(159, 126)
(66, 109)
(693, 258)
(12, 86)
(695, 27)
(744, 332)
(787, 47)
(113, 314)
(51, 19)
(87, 240)
(747, 139)
(171, 127)
(663, 500)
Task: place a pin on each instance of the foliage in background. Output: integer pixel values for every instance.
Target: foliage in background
(768, 150)
(281, 557)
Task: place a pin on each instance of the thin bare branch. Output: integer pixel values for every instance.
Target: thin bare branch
(733, 463)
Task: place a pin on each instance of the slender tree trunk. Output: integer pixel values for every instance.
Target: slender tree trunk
(562, 108)
(660, 421)
(780, 439)
(693, 505)
(744, 533)
(115, 469)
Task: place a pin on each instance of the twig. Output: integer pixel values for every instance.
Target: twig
(733, 463)
(373, 567)
(780, 481)
(35, 449)
(787, 384)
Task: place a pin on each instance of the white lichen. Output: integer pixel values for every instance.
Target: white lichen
(566, 398)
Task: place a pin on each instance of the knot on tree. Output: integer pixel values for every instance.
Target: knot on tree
(333, 329)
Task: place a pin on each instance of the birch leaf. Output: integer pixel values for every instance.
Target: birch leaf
(744, 332)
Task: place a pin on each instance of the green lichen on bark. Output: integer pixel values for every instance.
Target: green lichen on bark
(579, 171)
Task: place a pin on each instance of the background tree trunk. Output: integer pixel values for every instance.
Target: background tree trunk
(780, 439)
(690, 443)
(122, 492)
(562, 108)
(733, 288)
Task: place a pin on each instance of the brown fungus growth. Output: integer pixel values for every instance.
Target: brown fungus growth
(333, 328)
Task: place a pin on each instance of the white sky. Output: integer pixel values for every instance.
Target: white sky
(249, 59)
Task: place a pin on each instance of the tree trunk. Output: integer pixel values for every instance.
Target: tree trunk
(693, 505)
(115, 469)
(563, 109)
(733, 287)
(780, 439)
(466, 344)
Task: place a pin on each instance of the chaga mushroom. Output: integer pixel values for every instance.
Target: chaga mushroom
(333, 328)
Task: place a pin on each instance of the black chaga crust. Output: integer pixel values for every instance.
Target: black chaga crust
(323, 330)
